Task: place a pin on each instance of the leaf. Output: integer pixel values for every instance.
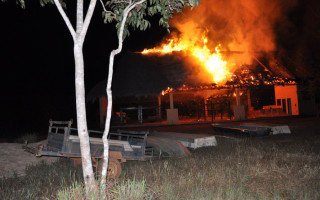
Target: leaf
(136, 17)
(110, 19)
(138, 24)
(138, 8)
(146, 24)
(159, 8)
(42, 2)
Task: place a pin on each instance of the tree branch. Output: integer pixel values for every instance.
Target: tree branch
(66, 19)
(105, 10)
(103, 7)
(124, 19)
(136, 3)
(79, 17)
(88, 18)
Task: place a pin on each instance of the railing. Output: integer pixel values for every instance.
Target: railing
(211, 111)
(138, 113)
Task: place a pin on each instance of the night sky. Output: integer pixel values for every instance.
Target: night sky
(37, 66)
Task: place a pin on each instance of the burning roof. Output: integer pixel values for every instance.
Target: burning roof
(220, 44)
(139, 75)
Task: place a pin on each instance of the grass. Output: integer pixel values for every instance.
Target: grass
(40, 182)
(251, 169)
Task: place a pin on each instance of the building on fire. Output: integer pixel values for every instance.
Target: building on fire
(150, 89)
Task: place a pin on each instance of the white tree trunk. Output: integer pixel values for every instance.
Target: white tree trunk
(113, 53)
(82, 120)
(78, 38)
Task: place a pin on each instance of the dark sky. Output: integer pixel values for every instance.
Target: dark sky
(37, 66)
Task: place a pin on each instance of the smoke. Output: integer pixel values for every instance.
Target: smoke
(242, 26)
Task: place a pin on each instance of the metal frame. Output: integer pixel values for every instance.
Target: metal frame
(123, 145)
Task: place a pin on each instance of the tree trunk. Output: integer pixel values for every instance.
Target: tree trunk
(82, 120)
(78, 39)
(107, 124)
(113, 53)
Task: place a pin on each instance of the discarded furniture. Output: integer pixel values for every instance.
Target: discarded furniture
(241, 129)
(275, 128)
(188, 140)
(63, 141)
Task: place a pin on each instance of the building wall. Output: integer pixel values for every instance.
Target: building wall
(286, 96)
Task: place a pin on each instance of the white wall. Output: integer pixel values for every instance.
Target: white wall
(288, 92)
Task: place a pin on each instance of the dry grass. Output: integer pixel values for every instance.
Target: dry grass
(251, 169)
(42, 181)
(275, 167)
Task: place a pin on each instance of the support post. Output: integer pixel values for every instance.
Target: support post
(205, 109)
(140, 114)
(172, 113)
(159, 108)
(171, 100)
(121, 115)
(238, 96)
(250, 108)
(239, 112)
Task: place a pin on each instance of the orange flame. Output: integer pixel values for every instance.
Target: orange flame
(212, 62)
(168, 90)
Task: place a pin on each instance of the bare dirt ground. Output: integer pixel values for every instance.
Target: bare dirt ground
(14, 159)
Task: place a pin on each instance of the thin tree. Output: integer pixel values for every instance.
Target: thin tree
(125, 13)
(132, 13)
(78, 35)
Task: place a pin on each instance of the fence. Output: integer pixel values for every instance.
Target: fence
(214, 110)
(140, 114)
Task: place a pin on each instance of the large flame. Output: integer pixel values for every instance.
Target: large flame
(245, 28)
(211, 61)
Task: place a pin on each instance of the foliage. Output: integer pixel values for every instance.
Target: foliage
(44, 2)
(20, 2)
(137, 16)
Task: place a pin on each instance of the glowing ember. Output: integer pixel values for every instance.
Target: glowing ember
(241, 78)
(212, 62)
(168, 90)
(172, 45)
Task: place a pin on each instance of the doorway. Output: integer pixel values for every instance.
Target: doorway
(289, 106)
(284, 106)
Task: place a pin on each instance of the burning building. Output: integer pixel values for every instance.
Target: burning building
(220, 52)
(149, 81)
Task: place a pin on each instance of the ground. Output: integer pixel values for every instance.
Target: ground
(14, 158)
